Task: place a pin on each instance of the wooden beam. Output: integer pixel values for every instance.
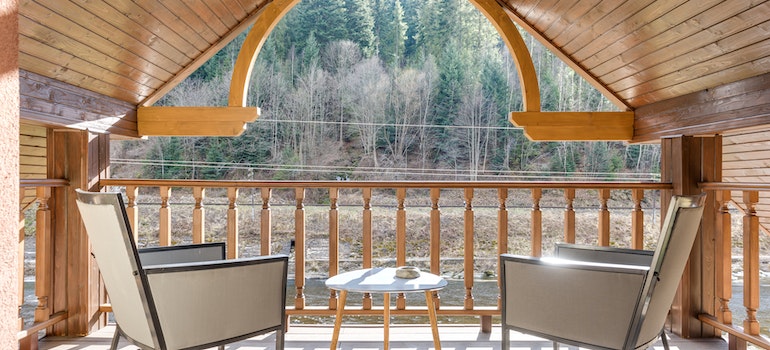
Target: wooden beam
(510, 34)
(208, 53)
(53, 103)
(738, 105)
(571, 62)
(266, 20)
(194, 121)
(575, 126)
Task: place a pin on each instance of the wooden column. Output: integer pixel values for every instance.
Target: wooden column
(83, 159)
(366, 193)
(400, 240)
(536, 223)
(232, 223)
(685, 162)
(637, 219)
(44, 253)
(502, 235)
(199, 216)
(164, 229)
(604, 218)
(569, 215)
(334, 241)
(299, 248)
(265, 223)
(435, 239)
(468, 249)
(751, 262)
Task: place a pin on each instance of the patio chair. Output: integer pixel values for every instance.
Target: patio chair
(600, 298)
(188, 305)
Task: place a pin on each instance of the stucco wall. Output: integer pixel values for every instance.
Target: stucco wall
(9, 171)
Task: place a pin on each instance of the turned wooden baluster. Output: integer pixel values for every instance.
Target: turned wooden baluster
(637, 219)
(132, 210)
(334, 233)
(265, 223)
(164, 235)
(751, 262)
(604, 218)
(435, 239)
(537, 223)
(502, 235)
(199, 216)
(44, 254)
(367, 237)
(468, 249)
(299, 249)
(569, 215)
(400, 240)
(723, 259)
(232, 223)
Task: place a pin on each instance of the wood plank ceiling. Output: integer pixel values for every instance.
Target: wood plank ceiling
(636, 51)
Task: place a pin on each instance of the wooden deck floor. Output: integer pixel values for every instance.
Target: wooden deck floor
(358, 337)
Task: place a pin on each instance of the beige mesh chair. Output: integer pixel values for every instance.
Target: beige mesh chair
(188, 305)
(600, 298)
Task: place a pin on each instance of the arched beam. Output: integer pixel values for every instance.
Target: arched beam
(266, 21)
(510, 34)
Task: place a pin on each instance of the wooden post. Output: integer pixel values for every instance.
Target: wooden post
(751, 262)
(604, 218)
(132, 210)
(723, 258)
(44, 253)
(265, 223)
(468, 249)
(502, 235)
(199, 216)
(685, 162)
(537, 223)
(400, 240)
(232, 223)
(366, 193)
(334, 241)
(435, 240)
(164, 234)
(299, 248)
(569, 215)
(637, 219)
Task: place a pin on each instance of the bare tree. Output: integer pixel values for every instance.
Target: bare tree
(368, 86)
(477, 114)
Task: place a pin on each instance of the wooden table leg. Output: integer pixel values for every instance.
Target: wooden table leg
(432, 315)
(386, 319)
(338, 320)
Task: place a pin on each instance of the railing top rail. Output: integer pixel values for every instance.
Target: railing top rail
(383, 184)
(44, 183)
(734, 186)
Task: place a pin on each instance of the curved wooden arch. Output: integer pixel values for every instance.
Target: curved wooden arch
(277, 9)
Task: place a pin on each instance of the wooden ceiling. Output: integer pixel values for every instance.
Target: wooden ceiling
(637, 52)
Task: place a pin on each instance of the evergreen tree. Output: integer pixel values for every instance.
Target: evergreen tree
(390, 29)
(361, 25)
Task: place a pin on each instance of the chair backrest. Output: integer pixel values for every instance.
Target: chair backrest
(676, 239)
(213, 251)
(107, 226)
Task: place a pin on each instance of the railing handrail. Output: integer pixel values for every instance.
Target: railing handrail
(386, 184)
(734, 186)
(43, 183)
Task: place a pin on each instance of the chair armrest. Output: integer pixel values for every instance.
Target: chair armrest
(182, 253)
(609, 255)
(202, 303)
(549, 297)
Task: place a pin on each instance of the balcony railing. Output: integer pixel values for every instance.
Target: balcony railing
(460, 200)
(459, 206)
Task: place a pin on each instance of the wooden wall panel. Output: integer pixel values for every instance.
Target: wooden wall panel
(746, 157)
(32, 157)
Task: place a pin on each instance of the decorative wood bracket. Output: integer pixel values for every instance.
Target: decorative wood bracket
(575, 126)
(194, 121)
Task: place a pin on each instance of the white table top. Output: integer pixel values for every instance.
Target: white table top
(384, 280)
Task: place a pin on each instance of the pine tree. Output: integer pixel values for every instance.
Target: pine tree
(390, 29)
(361, 25)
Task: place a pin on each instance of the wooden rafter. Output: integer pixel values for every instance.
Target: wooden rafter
(194, 121)
(575, 126)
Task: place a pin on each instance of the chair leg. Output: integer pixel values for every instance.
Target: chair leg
(664, 339)
(555, 346)
(115, 338)
(279, 339)
(506, 338)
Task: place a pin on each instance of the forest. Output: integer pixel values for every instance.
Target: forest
(384, 90)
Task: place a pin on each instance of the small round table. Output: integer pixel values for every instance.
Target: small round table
(383, 280)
